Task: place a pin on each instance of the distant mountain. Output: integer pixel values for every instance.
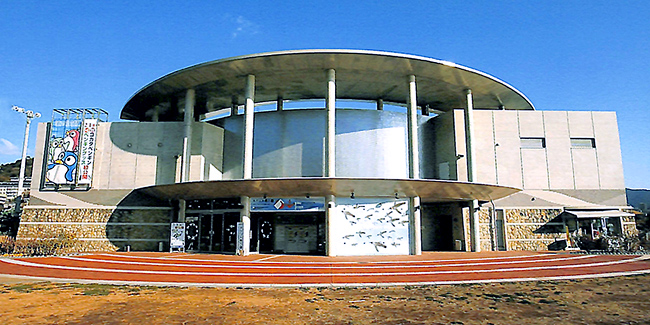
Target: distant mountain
(9, 170)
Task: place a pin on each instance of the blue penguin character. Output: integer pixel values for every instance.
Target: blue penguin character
(62, 171)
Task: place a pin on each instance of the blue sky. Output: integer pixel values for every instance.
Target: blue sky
(563, 55)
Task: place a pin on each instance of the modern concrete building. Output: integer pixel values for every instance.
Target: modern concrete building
(332, 152)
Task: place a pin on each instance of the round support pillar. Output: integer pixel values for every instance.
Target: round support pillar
(412, 130)
(471, 169)
(415, 226)
(474, 226)
(245, 218)
(188, 119)
(249, 111)
(330, 203)
(330, 128)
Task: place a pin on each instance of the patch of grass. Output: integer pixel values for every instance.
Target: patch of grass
(96, 292)
(23, 288)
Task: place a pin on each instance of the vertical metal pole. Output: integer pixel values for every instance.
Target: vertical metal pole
(249, 111)
(330, 129)
(280, 104)
(188, 119)
(412, 130)
(21, 176)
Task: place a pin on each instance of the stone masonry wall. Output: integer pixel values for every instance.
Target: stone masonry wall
(521, 226)
(98, 229)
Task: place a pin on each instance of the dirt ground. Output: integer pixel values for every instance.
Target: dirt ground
(620, 300)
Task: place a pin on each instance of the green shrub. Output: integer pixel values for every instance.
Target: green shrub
(7, 245)
(44, 246)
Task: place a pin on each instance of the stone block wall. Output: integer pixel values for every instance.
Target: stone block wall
(98, 229)
(521, 224)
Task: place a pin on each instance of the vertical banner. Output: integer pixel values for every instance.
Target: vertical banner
(63, 150)
(87, 151)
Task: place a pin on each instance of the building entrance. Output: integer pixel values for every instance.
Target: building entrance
(437, 228)
(211, 232)
(288, 233)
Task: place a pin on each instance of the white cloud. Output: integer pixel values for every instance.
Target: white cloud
(244, 26)
(8, 148)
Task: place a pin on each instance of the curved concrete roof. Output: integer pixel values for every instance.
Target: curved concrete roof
(300, 74)
(427, 189)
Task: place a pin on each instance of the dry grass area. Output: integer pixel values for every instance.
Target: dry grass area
(621, 300)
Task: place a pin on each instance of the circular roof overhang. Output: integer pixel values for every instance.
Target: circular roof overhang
(300, 75)
(427, 190)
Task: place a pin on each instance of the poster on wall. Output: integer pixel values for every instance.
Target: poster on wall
(70, 151)
(87, 152)
(63, 151)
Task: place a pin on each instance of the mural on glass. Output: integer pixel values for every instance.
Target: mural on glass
(371, 227)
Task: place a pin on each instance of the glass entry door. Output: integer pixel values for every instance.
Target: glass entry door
(211, 232)
(217, 232)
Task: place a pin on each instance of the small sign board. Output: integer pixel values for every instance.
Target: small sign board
(177, 238)
(288, 204)
(240, 238)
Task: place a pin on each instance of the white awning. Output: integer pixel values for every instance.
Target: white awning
(598, 213)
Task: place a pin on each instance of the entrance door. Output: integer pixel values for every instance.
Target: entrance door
(212, 232)
(229, 239)
(501, 231)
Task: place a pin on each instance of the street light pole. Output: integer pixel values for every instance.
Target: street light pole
(29, 116)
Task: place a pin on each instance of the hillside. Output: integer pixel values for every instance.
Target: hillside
(9, 170)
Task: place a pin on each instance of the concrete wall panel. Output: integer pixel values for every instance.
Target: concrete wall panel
(534, 168)
(531, 124)
(461, 149)
(585, 168)
(580, 125)
(558, 150)
(608, 150)
(508, 154)
(484, 141)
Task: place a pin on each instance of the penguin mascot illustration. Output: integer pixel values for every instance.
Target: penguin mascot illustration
(71, 140)
(62, 171)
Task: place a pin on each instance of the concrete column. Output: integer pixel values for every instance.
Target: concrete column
(182, 206)
(245, 218)
(474, 226)
(187, 137)
(412, 130)
(469, 138)
(330, 203)
(280, 104)
(415, 226)
(425, 110)
(471, 169)
(156, 114)
(249, 110)
(380, 104)
(330, 129)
